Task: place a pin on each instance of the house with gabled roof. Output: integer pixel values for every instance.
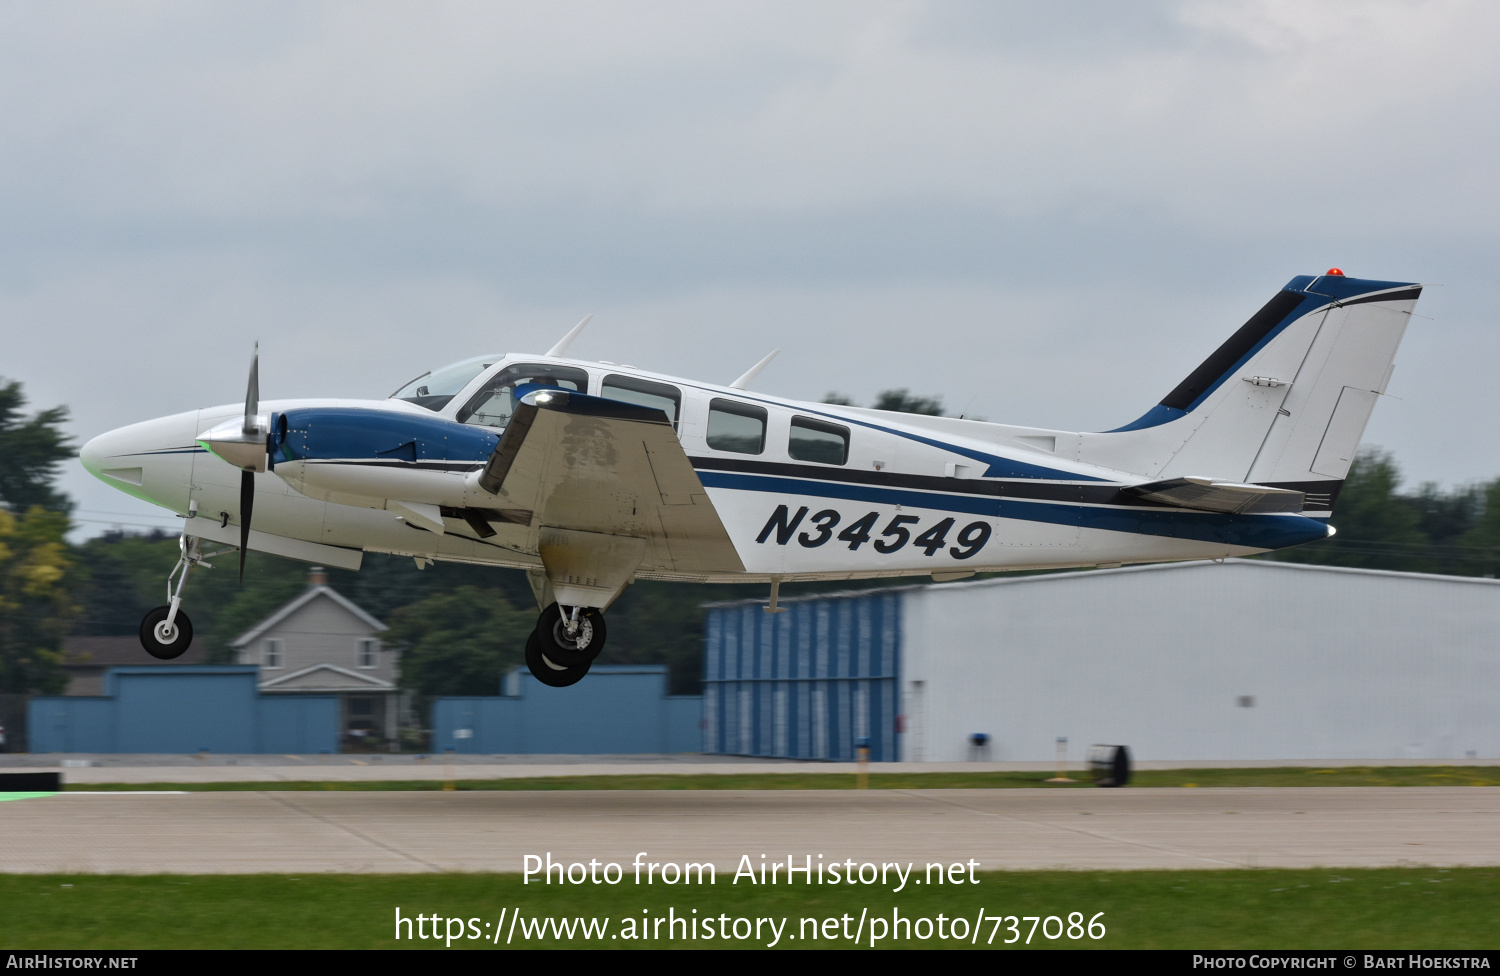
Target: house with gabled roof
(321, 643)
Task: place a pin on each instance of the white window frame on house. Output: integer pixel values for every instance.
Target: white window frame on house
(273, 652)
(369, 652)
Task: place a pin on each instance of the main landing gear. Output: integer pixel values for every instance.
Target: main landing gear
(166, 631)
(563, 646)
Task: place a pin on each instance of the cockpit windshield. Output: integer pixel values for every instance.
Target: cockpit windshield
(495, 402)
(434, 389)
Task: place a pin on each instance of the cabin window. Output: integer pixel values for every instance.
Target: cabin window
(367, 649)
(434, 389)
(272, 652)
(817, 440)
(737, 427)
(495, 402)
(644, 393)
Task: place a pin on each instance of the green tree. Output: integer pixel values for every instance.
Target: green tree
(36, 609)
(32, 449)
(1378, 528)
(1482, 542)
(900, 400)
(904, 402)
(662, 623)
(459, 643)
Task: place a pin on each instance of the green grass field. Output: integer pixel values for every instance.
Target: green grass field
(1284, 776)
(1395, 908)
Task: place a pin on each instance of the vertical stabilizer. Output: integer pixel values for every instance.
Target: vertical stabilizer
(1284, 401)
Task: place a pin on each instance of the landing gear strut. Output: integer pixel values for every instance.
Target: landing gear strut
(564, 644)
(166, 631)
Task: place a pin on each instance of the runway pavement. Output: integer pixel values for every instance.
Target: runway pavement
(359, 832)
(81, 770)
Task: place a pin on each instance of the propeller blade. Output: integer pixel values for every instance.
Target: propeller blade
(247, 503)
(252, 393)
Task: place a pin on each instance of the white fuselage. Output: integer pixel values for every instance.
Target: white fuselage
(912, 495)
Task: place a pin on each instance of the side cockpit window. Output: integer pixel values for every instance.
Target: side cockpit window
(493, 405)
(737, 427)
(818, 440)
(644, 393)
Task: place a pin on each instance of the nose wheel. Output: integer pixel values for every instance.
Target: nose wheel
(163, 638)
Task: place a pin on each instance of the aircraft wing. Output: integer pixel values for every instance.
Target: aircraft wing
(589, 464)
(1208, 495)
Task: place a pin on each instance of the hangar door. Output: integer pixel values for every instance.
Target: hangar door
(804, 684)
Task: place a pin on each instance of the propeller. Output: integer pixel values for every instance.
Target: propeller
(247, 503)
(247, 476)
(246, 445)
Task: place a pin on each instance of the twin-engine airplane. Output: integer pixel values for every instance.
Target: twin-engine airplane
(589, 475)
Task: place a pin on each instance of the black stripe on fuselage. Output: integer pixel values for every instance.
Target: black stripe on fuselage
(451, 466)
(1091, 493)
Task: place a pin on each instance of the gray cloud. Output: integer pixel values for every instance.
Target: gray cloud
(1051, 210)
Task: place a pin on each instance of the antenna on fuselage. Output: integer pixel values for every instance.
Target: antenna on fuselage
(567, 340)
(744, 381)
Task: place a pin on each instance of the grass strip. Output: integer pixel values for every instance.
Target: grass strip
(1383, 908)
(1176, 778)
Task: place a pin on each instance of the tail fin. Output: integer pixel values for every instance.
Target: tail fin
(1284, 401)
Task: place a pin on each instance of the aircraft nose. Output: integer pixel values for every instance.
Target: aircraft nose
(151, 460)
(96, 451)
(106, 455)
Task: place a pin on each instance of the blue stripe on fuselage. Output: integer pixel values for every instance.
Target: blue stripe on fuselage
(1250, 531)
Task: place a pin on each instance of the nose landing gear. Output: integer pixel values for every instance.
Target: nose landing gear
(166, 631)
(563, 646)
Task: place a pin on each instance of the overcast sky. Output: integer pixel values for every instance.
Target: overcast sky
(1045, 212)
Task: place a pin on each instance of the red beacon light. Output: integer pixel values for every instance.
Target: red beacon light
(1335, 271)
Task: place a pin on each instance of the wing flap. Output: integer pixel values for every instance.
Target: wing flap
(604, 466)
(1229, 497)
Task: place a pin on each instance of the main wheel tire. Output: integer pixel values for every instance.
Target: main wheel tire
(548, 672)
(162, 643)
(571, 652)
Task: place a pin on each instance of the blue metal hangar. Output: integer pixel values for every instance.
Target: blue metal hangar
(1241, 660)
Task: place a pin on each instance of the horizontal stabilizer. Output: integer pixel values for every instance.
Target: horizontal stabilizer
(1208, 495)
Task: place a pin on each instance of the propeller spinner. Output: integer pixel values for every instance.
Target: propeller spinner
(243, 443)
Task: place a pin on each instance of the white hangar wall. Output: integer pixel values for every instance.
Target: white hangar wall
(1337, 663)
